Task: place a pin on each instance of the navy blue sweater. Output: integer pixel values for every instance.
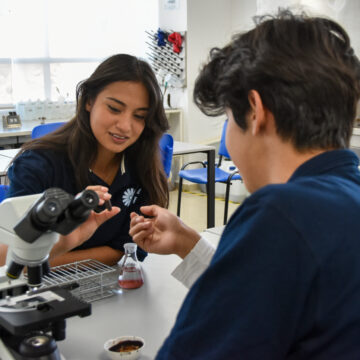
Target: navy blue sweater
(284, 282)
(35, 171)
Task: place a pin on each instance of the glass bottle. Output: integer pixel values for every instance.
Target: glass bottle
(130, 271)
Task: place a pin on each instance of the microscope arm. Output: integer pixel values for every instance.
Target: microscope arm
(11, 210)
(30, 225)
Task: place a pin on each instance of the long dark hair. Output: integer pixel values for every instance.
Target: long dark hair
(77, 140)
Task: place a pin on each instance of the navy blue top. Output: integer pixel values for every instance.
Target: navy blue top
(284, 282)
(37, 170)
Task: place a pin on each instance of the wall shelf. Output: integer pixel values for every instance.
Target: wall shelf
(175, 118)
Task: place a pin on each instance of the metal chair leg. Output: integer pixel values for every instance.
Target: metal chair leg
(227, 194)
(179, 196)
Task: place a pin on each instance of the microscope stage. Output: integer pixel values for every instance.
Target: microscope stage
(39, 314)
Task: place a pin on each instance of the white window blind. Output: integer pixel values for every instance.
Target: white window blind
(48, 46)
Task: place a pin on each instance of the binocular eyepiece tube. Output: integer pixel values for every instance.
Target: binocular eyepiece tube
(55, 211)
(83, 203)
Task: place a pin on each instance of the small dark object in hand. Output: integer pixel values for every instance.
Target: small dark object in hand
(146, 216)
(108, 205)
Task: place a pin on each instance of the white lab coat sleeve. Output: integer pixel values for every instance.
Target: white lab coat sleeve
(195, 263)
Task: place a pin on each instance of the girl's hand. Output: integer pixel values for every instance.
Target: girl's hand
(88, 228)
(102, 192)
(84, 231)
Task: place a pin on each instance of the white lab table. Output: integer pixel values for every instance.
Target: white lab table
(149, 312)
(24, 130)
(9, 153)
(17, 136)
(5, 158)
(4, 163)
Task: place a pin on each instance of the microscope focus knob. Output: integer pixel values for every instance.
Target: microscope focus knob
(39, 346)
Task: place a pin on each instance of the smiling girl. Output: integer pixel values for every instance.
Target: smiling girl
(110, 146)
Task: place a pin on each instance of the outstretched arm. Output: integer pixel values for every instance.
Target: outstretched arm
(3, 252)
(104, 254)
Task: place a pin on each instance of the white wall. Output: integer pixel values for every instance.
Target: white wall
(207, 24)
(173, 15)
(210, 23)
(349, 19)
(242, 14)
(345, 12)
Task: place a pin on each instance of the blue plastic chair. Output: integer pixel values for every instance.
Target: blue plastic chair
(43, 129)
(199, 176)
(166, 148)
(3, 192)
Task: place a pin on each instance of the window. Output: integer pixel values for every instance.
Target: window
(48, 46)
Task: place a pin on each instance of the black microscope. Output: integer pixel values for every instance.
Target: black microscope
(32, 319)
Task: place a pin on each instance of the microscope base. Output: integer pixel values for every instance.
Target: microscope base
(48, 313)
(5, 354)
(37, 326)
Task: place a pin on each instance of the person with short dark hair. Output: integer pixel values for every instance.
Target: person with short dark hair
(284, 281)
(111, 146)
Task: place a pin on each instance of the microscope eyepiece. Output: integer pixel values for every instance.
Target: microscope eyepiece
(43, 215)
(46, 212)
(83, 203)
(90, 197)
(77, 212)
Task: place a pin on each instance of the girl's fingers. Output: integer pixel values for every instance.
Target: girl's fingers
(102, 192)
(106, 215)
(97, 188)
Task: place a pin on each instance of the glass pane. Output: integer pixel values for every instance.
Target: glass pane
(28, 82)
(24, 24)
(5, 26)
(65, 77)
(5, 84)
(117, 26)
(44, 30)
